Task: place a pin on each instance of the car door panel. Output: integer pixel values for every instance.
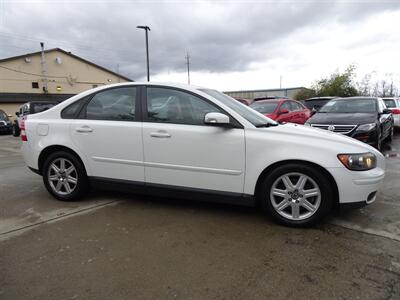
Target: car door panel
(109, 136)
(180, 150)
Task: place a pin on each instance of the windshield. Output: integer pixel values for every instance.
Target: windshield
(390, 103)
(249, 114)
(264, 107)
(350, 106)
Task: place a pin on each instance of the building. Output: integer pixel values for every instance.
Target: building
(252, 94)
(58, 76)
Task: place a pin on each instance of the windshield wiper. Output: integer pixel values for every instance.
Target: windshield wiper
(266, 125)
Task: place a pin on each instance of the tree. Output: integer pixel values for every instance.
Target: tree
(304, 94)
(337, 84)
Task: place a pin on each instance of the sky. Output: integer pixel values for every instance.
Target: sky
(233, 45)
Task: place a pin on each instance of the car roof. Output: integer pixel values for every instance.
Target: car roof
(321, 98)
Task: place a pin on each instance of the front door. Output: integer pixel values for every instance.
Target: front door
(180, 150)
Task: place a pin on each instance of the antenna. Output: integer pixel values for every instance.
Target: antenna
(187, 57)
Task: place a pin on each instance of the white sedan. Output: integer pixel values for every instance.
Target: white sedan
(192, 142)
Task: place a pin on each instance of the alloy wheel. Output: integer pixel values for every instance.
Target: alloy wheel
(295, 196)
(62, 176)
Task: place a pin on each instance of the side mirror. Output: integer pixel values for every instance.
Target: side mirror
(216, 119)
(17, 113)
(283, 111)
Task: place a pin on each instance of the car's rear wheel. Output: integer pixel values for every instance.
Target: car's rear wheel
(296, 195)
(64, 176)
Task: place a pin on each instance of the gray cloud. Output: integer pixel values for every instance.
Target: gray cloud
(221, 36)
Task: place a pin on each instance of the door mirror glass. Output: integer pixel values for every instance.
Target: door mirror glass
(283, 111)
(215, 118)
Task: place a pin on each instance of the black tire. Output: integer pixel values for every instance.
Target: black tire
(82, 183)
(391, 134)
(319, 178)
(16, 131)
(378, 142)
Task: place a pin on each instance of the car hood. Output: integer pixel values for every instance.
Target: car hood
(319, 138)
(342, 118)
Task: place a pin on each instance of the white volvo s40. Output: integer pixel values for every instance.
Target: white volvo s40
(197, 143)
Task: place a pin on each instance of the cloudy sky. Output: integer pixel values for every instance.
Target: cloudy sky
(233, 45)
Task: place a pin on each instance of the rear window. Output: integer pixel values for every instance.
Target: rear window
(264, 107)
(316, 104)
(390, 103)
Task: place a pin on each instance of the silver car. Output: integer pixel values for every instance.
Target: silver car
(394, 105)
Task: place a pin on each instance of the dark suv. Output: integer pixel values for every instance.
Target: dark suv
(363, 118)
(29, 108)
(5, 123)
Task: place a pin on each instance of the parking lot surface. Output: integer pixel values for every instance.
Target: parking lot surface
(119, 246)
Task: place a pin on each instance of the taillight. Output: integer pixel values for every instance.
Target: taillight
(396, 111)
(23, 133)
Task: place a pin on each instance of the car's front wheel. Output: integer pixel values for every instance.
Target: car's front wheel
(15, 130)
(296, 195)
(64, 176)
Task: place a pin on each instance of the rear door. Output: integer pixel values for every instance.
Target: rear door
(108, 133)
(180, 150)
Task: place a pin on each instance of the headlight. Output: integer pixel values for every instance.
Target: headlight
(366, 127)
(358, 162)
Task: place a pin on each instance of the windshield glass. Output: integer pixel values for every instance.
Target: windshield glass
(249, 114)
(350, 106)
(389, 103)
(264, 107)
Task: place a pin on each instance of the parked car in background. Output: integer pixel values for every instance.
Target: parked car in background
(364, 118)
(193, 142)
(244, 101)
(283, 110)
(314, 104)
(394, 105)
(29, 108)
(5, 123)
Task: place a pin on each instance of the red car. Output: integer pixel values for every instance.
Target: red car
(283, 110)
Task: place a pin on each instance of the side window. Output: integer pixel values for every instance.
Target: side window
(295, 106)
(381, 105)
(173, 106)
(72, 110)
(286, 105)
(116, 104)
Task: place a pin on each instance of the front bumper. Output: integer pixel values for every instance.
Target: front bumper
(357, 186)
(6, 128)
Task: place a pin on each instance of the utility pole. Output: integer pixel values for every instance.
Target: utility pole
(280, 82)
(146, 29)
(188, 65)
(44, 71)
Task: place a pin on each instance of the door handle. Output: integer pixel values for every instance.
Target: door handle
(160, 134)
(84, 129)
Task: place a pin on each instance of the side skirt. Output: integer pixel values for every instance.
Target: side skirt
(171, 191)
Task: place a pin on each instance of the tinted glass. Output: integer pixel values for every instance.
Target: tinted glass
(71, 111)
(296, 106)
(39, 107)
(390, 103)
(264, 107)
(350, 106)
(173, 106)
(116, 104)
(316, 104)
(246, 112)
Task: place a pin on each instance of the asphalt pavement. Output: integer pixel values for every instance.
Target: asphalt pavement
(124, 246)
